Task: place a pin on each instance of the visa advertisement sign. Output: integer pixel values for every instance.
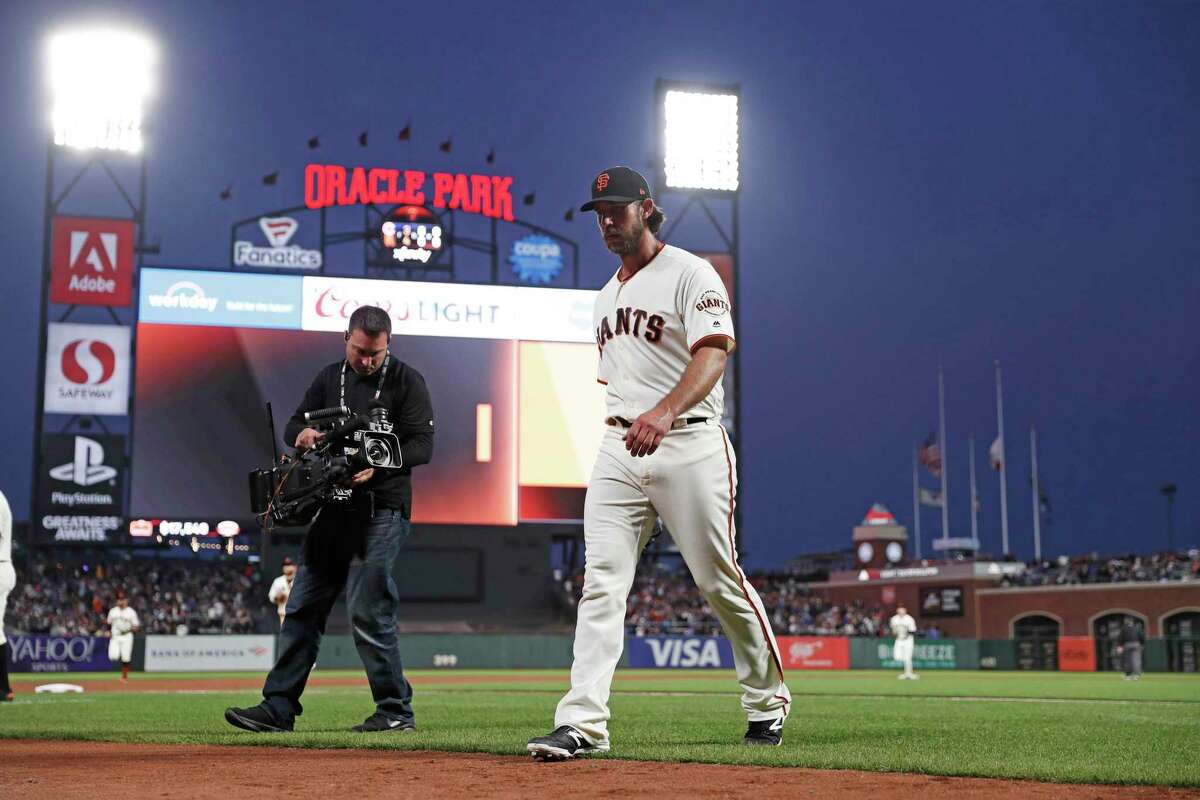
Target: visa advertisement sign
(194, 297)
(679, 652)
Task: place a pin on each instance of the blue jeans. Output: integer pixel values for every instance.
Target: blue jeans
(345, 548)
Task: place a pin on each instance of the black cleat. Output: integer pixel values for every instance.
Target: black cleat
(565, 742)
(257, 719)
(381, 723)
(768, 732)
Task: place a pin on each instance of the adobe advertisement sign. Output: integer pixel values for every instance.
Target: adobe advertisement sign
(87, 369)
(91, 261)
(41, 653)
(814, 652)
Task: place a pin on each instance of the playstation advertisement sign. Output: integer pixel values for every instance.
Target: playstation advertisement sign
(81, 489)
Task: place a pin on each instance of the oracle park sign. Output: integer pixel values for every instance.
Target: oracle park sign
(328, 185)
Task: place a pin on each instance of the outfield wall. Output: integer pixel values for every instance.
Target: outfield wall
(58, 654)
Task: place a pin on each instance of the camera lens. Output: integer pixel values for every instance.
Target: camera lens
(378, 454)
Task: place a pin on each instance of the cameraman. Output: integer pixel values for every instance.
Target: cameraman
(353, 544)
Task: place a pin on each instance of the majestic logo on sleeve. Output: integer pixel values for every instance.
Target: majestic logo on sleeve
(630, 322)
(712, 302)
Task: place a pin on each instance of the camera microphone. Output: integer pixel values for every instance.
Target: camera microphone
(333, 412)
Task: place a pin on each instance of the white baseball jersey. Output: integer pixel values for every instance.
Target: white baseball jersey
(278, 594)
(903, 626)
(648, 327)
(8, 576)
(5, 529)
(122, 620)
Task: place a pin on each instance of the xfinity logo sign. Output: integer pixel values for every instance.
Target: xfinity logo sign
(277, 231)
(88, 467)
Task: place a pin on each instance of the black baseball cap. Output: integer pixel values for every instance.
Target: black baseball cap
(617, 185)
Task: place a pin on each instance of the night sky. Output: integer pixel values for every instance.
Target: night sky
(923, 183)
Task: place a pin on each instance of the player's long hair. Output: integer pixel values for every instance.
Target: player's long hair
(656, 219)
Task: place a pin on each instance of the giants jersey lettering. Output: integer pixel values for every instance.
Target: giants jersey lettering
(648, 327)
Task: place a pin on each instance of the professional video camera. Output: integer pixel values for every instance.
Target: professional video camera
(293, 490)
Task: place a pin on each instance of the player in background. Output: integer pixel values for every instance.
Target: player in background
(282, 587)
(664, 329)
(904, 628)
(8, 579)
(122, 622)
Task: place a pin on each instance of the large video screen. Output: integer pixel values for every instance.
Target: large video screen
(511, 371)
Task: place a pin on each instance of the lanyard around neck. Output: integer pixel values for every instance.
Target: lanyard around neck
(342, 383)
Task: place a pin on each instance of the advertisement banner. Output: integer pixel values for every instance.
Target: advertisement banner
(195, 297)
(209, 653)
(814, 652)
(42, 653)
(686, 652)
(941, 601)
(927, 654)
(80, 489)
(91, 261)
(276, 241)
(87, 369)
(1076, 654)
(453, 310)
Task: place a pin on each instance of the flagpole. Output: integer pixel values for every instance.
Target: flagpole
(916, 505)
(974, 495)
(944, 453)
(1003, 465)
(1037, 511)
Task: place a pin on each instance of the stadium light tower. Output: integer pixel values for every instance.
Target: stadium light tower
(99, 80)
(699, 147)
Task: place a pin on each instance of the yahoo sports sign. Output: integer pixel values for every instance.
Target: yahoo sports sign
(41, 653)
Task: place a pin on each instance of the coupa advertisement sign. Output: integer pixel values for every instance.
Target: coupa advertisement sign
(687, 652)
(209, 653)
(40, 653)
(193, 297)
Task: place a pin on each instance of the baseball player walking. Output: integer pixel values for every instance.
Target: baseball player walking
(8, 579)
(904, 628)
(664, 329)
(122, 620)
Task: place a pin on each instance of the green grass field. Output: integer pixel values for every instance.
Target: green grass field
(1044, 726)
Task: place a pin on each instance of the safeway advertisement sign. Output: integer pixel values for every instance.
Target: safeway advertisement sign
(91, 261)
(87, 369)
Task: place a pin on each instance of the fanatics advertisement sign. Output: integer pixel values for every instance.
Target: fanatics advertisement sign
(91, 261)
(209, 653)
(269, 242)
(87, 369)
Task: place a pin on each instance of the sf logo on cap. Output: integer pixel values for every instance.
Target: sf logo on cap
(602, 181)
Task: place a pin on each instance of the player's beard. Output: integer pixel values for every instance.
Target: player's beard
(627, 242)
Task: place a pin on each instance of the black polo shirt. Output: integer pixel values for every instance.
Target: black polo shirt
(411, 413)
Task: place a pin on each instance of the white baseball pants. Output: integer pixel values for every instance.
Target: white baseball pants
(690, 482)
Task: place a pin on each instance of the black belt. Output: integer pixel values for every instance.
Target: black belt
(679, 423)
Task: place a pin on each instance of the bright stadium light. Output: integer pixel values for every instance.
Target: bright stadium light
(700, 138)
(99, 79)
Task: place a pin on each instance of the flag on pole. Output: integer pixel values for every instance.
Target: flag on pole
(930, 497)
(930, 456)
(996, 453)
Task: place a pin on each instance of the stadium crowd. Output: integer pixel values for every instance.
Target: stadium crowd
(1156, 568)
(74, 600)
